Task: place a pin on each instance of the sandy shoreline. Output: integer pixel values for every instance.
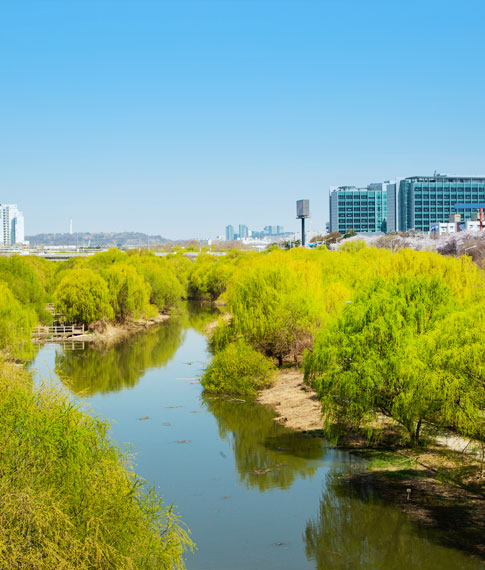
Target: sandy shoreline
(296, 405)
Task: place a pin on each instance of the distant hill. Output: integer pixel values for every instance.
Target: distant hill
(123, 239)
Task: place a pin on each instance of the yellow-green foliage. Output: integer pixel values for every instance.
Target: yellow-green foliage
(139, 284)
(181, 266)
(16, 322)
(83, 296)
(238, 369)
(209, 276)
(129, 293)
(25, 280)
(372, 358)
(166, 291)
(388, 328)
(68, 498)
(276, 302)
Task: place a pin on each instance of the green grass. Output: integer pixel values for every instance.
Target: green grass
(68, 497)
(380, 460)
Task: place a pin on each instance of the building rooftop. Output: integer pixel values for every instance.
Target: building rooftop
(437, 176)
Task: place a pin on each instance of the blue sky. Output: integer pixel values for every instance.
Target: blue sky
(177, 118)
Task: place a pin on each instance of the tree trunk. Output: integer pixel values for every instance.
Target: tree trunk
(415, 435)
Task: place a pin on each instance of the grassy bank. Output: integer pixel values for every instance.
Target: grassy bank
(69, 498)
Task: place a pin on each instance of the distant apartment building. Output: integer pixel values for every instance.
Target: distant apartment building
(420, 202)
(11, 224)
(359, 209)
(229, 233)
(243, 231)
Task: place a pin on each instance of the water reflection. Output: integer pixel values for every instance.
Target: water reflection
(354, 530)
(100, 370)
(266, 454)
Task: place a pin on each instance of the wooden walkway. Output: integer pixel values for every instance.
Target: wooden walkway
(57, 333)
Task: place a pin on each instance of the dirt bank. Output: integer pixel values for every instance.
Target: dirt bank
(110, 333)
(295, 404)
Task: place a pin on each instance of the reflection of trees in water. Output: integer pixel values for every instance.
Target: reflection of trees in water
(93, 370)
(200, 314)
(261, 444)
(96, 370)
(353, 531)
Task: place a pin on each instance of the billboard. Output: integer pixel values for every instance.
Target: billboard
(303, 208)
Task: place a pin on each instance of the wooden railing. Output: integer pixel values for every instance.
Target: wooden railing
(58, 331)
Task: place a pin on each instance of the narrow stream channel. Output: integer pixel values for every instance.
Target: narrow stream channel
(255, 495)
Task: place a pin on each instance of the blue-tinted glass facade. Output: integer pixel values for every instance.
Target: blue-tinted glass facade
(359, 209)
(427, 200)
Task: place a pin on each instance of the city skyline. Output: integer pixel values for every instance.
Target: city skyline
(178, 115)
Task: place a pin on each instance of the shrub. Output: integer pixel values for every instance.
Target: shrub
(238, 369)
(69, 498)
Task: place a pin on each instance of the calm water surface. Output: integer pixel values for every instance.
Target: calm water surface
(255, 495)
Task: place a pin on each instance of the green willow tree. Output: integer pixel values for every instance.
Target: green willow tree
(455, 354)
(25, 283)
(128, 292)
(374, 359)
(272, 308)
(165, 289)
(16, 322)
(83, 297)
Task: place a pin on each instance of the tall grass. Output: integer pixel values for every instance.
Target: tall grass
(68, 497)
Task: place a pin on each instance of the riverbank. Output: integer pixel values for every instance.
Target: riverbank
(445, 478)
(108, 334)
(296, 405)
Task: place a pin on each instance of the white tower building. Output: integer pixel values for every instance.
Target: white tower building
(11, 225)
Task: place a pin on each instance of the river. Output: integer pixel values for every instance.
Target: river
(255, 495)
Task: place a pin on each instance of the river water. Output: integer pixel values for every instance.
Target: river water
(255, 495)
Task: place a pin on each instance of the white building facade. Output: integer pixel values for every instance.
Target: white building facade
(11, 225)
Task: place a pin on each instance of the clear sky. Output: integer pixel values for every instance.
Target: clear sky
(178, 118)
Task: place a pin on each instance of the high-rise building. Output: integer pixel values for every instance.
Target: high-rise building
(11, 224)
(359, 209)
(417, 202)
(243, 231)
(229, 233)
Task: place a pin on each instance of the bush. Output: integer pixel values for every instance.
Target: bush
(68, 498)
(238, 369)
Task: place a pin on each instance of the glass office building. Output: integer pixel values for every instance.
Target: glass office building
(419, 201)
(359, 209)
